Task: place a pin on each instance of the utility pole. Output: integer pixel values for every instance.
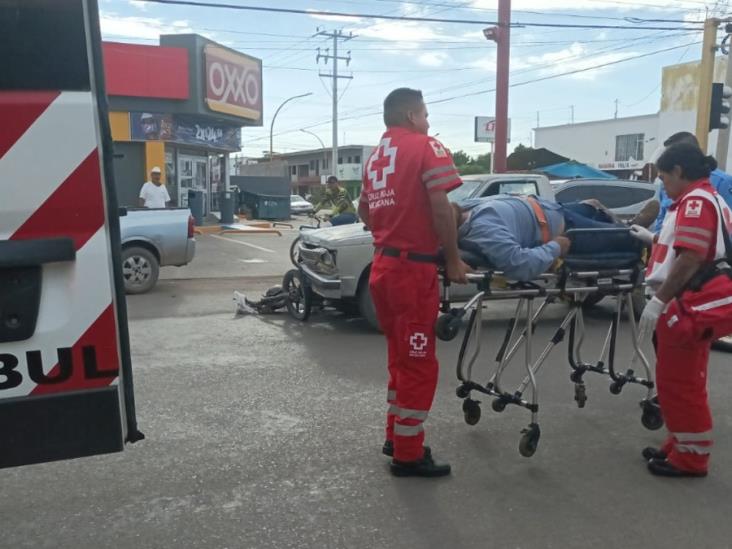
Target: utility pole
(706, 77)
(616, 107)
(501, 35)
(537, 119)
(336, 35)
(723, 135)
(571, 114)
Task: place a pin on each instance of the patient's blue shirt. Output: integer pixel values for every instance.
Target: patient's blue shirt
(505, 231)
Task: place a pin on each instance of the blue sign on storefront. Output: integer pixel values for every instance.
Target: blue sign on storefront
(166, 127)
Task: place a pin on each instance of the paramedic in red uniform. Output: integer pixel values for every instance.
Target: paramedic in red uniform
(404, 203)
(686, 272)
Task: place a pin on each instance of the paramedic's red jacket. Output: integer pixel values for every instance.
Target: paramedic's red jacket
(399, 174)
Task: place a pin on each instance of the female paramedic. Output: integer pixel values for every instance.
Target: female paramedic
(690, 277)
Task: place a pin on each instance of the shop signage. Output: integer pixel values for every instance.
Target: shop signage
(166, 127)
(627, 165)
(233, 83)
(485, 129)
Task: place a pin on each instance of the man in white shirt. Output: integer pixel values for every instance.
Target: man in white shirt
(153, 193)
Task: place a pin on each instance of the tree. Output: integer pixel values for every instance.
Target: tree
(461, 158)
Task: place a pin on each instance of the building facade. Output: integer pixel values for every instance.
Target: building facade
(618, 146)
(308, 170)
(180, 106)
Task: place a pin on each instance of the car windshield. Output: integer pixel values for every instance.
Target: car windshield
(464, 191)
(296, 198)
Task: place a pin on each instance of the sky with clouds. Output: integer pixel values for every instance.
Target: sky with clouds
(452, 63)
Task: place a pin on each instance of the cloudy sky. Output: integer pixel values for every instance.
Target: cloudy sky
(452, 63)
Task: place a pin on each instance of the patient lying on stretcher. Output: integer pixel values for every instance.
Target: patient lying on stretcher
(523, 236)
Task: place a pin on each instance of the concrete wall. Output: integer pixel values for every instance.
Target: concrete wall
(276, 168)
(593, 143)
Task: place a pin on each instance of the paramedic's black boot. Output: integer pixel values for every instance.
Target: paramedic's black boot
(653, 453)
(425, 467)
(388, 449)
(662, 468)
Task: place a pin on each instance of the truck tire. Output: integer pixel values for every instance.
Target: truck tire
(366, 304)
(140, 270)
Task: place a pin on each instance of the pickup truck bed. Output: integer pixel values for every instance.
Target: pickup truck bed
(153, 238)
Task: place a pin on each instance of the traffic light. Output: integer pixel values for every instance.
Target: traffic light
(718, 118)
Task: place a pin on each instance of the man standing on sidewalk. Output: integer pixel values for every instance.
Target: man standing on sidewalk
(153, 193)
(404, 203)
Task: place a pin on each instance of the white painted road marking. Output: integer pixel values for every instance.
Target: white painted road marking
(255, 260)
(243, 243)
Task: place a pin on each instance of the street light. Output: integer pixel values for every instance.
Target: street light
(325, 156)
(271, 126)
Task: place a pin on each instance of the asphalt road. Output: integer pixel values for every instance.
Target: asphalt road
(263, 432)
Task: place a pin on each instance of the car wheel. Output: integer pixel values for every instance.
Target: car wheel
(140, 270)
(366, 304)
(723, 344)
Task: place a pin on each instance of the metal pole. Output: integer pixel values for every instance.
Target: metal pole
(706, 77)
(322, 145)
(271, 126)
(503, 41)
(723, 135)
(334, 158)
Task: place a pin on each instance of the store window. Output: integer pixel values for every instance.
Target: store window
(356, 159)
(629, 147)
(293, 170)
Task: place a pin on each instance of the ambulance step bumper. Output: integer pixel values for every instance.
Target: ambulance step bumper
(45, 428)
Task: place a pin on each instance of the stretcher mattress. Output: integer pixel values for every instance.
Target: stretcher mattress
(587, 253)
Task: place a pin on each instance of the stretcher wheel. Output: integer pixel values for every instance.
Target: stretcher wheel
(299, 295)
(616, 388)
(652, 418)
(462, 392)
(471, 411)
(498, 405)
(447, 327)
(530, 440)
(580, 395)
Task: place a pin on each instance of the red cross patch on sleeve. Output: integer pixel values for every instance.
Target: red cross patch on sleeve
(438, 149)
(693, 208)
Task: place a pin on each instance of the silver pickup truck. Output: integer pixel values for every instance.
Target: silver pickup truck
(337, 260)
(154, 238)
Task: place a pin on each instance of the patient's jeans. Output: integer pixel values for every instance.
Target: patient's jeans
(578, 215)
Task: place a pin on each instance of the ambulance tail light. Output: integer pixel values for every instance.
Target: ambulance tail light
(191, 226)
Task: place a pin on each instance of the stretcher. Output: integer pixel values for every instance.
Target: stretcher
(581, 277)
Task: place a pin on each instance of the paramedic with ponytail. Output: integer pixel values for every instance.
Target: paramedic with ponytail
(690, 278)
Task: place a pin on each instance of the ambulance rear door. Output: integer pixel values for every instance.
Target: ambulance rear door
(65, 374)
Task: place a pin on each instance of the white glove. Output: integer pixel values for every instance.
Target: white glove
(649, 318)
(642, 234)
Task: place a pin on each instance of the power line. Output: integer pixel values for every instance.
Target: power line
(517, 84)
(295, 11)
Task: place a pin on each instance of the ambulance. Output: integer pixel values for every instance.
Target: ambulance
(65, 374)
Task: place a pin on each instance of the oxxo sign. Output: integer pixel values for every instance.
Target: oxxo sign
(233, 83)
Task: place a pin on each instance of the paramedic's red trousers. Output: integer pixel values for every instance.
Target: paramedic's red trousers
(407, 299)
(681, 375)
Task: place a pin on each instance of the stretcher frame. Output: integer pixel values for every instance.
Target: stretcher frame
(573, 286)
